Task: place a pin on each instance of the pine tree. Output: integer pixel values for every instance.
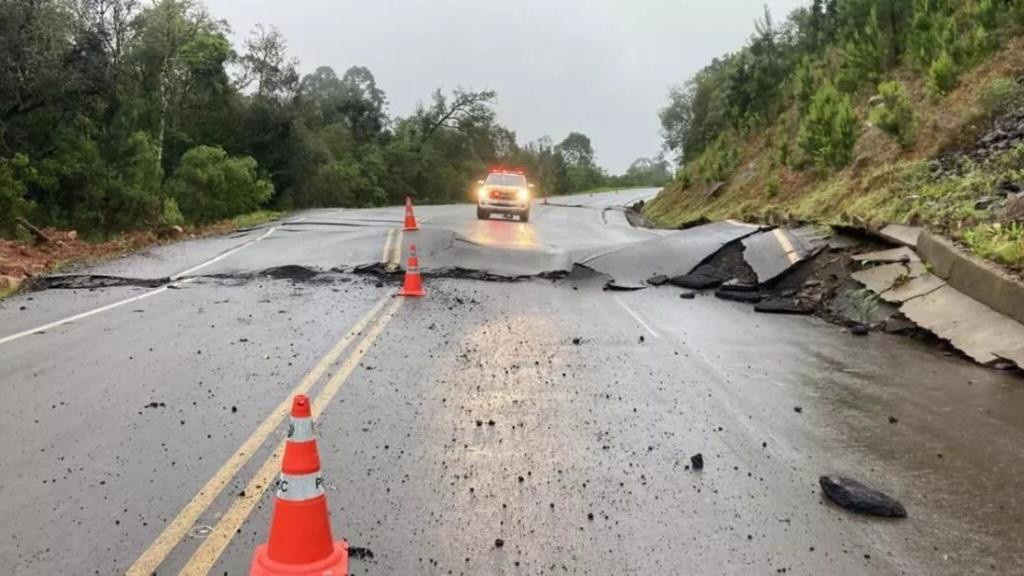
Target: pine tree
(828, 131)
(864, 56)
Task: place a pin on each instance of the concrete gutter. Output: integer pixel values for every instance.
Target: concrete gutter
(978, 279)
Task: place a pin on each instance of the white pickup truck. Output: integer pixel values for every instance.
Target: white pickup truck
(504, 192)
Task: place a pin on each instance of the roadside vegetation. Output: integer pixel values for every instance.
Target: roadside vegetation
(119, 115)
(860, 112)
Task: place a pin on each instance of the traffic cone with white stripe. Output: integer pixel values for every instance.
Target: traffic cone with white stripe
(413, 284)
(410, 218)
(300, 542)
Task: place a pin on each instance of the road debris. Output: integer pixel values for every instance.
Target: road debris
(697, 461)
(856, 497)
(860, 329)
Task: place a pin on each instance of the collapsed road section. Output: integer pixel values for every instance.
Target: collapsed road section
(865, 283)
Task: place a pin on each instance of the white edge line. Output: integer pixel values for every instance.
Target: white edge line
(76, 317)
(637, 317)
(223, 256)
(175, 280)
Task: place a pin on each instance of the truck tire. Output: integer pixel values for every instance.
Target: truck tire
(482, 214)
(524, 217)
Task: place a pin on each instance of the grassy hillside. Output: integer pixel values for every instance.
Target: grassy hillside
(941, 177)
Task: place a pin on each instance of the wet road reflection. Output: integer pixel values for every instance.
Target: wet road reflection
(500, 232)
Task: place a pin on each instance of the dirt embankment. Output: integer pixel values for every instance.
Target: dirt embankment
(954, 179)
(21, 261)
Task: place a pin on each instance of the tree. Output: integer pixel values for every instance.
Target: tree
(178, 47)
(864, 55)
(267, 65)
(828, 131)
(210, 185)
(697, 112)
(894, 115)
(12, 193)
(577, 150)
(463, 108)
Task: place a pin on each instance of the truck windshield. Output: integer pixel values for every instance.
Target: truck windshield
(517, 180)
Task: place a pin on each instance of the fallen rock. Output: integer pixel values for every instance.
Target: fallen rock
(785, 306)
(1015, 207)
(860, 330)
(856, 497)
(697, 461)
(688, 295)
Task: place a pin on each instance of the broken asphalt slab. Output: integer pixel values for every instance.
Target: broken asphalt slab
(673, 255)
(772, 254)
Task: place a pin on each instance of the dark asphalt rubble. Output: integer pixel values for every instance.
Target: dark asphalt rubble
(856, 497)
(819, 285)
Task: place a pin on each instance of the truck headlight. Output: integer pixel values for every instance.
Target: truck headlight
(481, 193)
(523, 195)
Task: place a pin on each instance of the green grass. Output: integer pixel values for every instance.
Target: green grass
(255, 218)
(6, 292)
(997, 242)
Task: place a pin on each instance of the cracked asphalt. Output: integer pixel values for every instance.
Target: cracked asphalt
(535, 408)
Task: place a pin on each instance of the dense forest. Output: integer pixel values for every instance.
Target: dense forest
(815, 62)
(119, 114)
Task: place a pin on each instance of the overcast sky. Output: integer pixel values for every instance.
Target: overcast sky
(601, 67)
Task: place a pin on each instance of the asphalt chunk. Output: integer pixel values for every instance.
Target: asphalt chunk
(697, 461)
(856, 497)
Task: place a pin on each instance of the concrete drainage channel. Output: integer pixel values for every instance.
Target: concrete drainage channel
(873, 283)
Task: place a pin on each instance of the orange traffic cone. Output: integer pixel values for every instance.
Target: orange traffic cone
(413, 285)
(300, 542)
(410, 218)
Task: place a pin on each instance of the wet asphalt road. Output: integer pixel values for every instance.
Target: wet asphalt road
(136, 437)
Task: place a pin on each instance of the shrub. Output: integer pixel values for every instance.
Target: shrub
(210, 185)
(1002, 95)
(828, 131)
(773, 186)
(12, 193)
(895, 116)
(171, 214)
(684, 178)
(943, 75)
(718, 161)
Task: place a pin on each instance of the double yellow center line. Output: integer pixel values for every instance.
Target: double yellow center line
(204, 558)
(391, 258)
